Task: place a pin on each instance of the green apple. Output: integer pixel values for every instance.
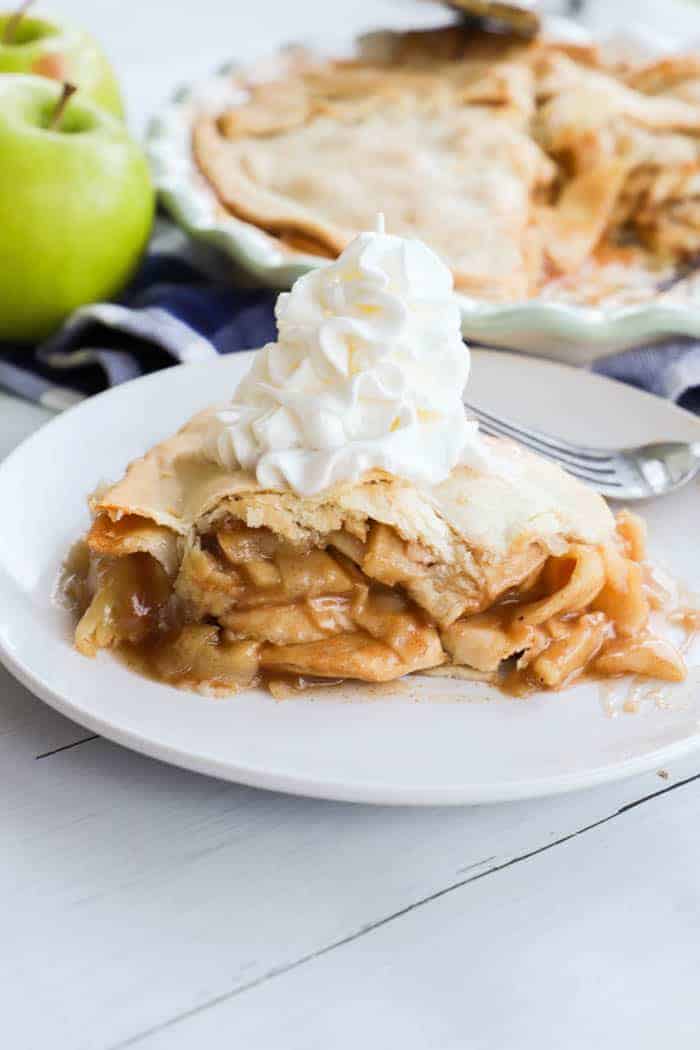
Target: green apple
(76, 205)
(33, 45)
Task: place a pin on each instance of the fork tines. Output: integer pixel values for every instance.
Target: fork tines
(595, 466)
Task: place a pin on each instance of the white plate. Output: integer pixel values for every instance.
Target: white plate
(437, 741)
(573, 333)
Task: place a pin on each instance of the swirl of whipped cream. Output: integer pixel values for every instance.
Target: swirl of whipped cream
(368, 372)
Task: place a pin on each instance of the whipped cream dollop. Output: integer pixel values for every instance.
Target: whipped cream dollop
(368, 372)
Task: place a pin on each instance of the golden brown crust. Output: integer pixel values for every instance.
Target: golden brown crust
(132, 534)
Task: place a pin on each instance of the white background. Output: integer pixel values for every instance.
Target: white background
(145, 906)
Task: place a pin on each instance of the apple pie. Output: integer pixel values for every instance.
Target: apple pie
(533, 168)
(202, 578)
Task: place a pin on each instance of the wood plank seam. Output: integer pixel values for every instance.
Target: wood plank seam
(67, 747)
(280, 971)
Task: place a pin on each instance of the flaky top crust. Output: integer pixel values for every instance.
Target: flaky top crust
(472, 518)
(534, 169)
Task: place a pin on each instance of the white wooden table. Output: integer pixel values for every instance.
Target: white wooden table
(146, 906)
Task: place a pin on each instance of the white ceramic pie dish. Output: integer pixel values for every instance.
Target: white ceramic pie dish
(569, 332)
(423, 741)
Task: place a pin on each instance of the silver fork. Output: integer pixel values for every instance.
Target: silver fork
(625, 473)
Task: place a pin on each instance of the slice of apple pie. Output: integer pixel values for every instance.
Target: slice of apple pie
(204, 578)
(342, 519)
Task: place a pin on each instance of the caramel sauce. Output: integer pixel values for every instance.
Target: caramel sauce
(141, 659)
(632, 698)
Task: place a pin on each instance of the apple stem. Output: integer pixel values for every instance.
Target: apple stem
(68, 91)
(12, 24)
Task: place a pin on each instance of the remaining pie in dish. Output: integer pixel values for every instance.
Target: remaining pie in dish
(533, 168)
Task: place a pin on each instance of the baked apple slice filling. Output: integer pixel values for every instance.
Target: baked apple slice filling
(237, 606)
